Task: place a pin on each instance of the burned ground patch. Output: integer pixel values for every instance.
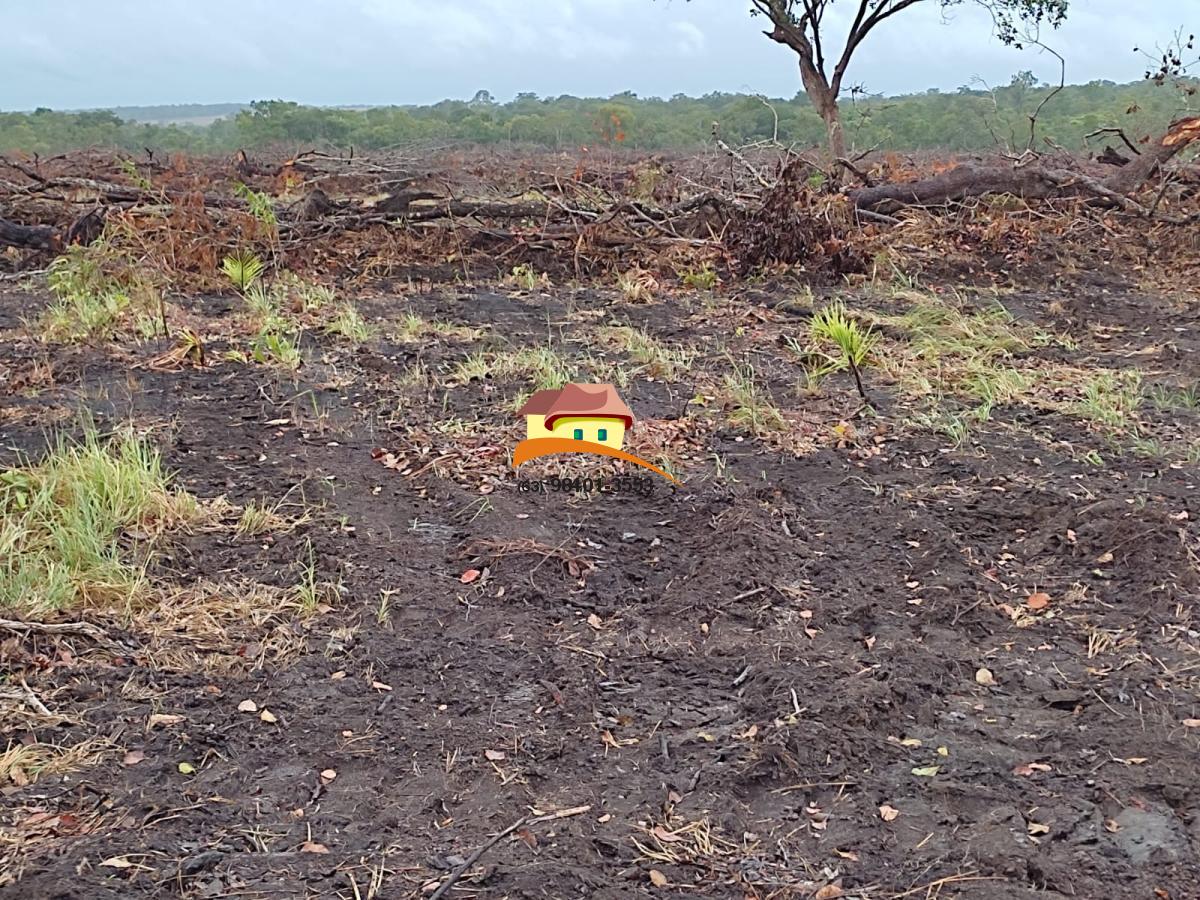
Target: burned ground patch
(943, 643)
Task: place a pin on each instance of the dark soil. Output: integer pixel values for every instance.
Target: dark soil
(747, 673)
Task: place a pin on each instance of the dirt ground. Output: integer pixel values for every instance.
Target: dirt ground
(852, 656)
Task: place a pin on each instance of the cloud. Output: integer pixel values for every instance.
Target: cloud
(418, 51)
(689, 39)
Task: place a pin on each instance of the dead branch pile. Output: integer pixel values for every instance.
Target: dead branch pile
(794, 224)
(482, 213)
(346, 214)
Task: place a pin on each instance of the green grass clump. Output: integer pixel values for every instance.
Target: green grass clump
(749, 407)
(92, 303)
(349, 323)
(69, 525)
(654, 357)
(1112, 399)
(543, 367)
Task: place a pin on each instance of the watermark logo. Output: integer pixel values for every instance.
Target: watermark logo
(578, 418)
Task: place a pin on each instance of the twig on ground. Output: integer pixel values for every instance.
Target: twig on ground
(495, 839)
(37, 704)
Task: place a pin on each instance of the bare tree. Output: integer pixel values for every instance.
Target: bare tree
(801, 25)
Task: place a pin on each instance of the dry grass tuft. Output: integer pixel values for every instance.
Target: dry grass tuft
(23, 764)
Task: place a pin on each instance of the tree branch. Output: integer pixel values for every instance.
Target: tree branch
(863, 25)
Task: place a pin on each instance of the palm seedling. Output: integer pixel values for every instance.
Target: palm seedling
(243, 269)
(832, 325)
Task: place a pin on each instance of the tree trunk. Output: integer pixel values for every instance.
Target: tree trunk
(824, 100)
(833, 128)
(1032, 181)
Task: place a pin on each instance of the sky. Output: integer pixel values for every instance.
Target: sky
(75, 54)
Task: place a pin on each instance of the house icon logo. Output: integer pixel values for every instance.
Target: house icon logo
(578, 418)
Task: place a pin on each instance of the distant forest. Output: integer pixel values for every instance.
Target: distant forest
(967, 119)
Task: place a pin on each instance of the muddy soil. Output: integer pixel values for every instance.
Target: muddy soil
(791, 676)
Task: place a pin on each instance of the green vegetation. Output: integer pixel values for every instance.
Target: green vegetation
(72, 524)
(93, 303)
(1112, 399)
(854, 343)
(967, 119)
(543, 367)
(527, 278)
(702, 279)
(349, 323)
(277, 347)
(243, 269)
(654, 357)
(749, 406)
(415, 328)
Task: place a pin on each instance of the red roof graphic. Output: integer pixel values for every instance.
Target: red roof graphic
(594, 400)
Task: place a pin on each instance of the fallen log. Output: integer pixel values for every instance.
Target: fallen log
(1031, 181)
(28, 237)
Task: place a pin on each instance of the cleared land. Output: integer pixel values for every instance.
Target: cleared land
(940, 645)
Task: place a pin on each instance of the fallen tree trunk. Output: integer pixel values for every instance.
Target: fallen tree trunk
(1032, 181)
(28, 237)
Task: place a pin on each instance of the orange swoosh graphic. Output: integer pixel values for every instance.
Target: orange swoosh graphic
(532, 448)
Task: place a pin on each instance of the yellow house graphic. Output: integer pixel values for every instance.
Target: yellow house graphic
(581, 412)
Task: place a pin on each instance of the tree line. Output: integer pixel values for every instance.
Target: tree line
(972, 118)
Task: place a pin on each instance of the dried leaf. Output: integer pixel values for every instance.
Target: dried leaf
(528, 837)
(595, 621)
(248, 706)
(846, 854)
(657, 878)
(495, 755)
(117, 862)
(468, 576)
(267, 716)
(1191, 723)
(133, 757)
(327, 775)
(888, 813)
(313, 847)
(985, 677)
(828, 892)
(1040, 600)
(163, 720)
(926, 771)
(664, 836)
(1038, 828)
(380, 686)
(1029, 768)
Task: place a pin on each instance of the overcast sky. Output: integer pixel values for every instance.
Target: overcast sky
(97, 53)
